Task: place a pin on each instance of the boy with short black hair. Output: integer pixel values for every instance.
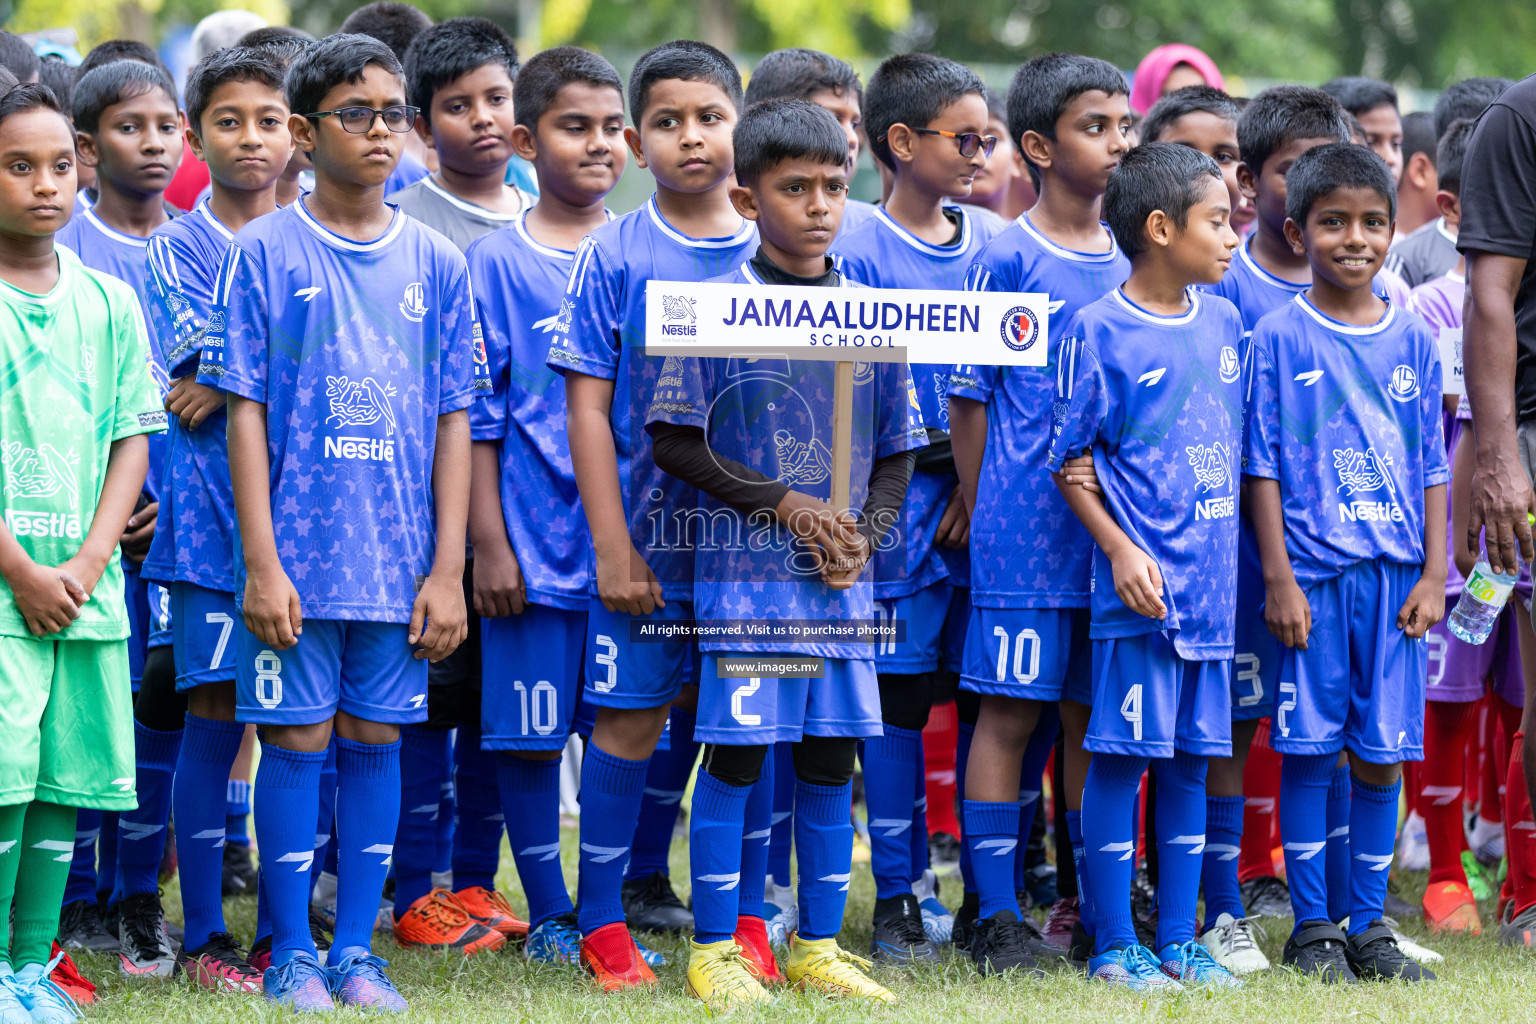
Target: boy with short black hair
(1205, 119)
(1467, 98)
(531, 578)
(121, 49)
(685, 97)
(791, 181)
(396, 25)
(1346, 387)
(1149, 381)
(1069, 116)
(370, 427)
(1374, 104)
(927, 119)
(238, 125)
(1416, 186)
(73, 467)
(17, 58)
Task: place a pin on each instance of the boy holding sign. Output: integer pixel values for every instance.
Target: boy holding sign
(754, 434)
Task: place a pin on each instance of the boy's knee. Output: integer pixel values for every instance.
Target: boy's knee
(360, 730)
(1374, 774)
(629, 733)
(213, 701)
(306, 739)
(1008, 719)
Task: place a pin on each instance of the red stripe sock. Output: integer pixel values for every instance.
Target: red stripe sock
(939, 738)
(1261, 787)
(1448, 726)
(1519, 829)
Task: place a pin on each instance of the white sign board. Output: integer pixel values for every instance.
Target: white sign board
(846, 324)
(1450, 361)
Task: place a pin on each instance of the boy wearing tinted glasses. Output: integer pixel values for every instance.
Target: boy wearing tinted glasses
(344, 336)
(926, 117)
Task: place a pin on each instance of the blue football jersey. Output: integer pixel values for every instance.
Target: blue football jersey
(1158, 400)
(1252, 289)
(1027, 548)
(194, 537)
(1348, 420)
(110, 251)
(881, 253)
(775, 416)
(519, 288)
(606, 301)
(855, 213)
(356, 348)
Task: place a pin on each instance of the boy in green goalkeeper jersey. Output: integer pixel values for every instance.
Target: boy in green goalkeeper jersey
(75, 400)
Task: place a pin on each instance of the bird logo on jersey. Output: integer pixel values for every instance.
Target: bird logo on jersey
(414, 306)
(40, 472)
(1212, 465)
(1405, 384)
(1361, 472)
(1229, 367)
(1020, 329)
(801, 463)
(359, 403)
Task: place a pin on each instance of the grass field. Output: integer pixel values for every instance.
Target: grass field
(1478, 977)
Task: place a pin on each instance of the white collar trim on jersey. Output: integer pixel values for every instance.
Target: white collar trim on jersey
(1339, 326)
(538, 246)
(475, 208)
(1150, 317)
(396, 225)
(939, 252)
(723, 242)
(1264, 275)
(218, 225)
(1108, 256)
(1445, 232)
(1457, 276)
(113, 233)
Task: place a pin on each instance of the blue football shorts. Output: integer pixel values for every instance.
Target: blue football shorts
(136, 595)
(160, 629)
(626, 672)
(1360, 683)
(1029, 653)
(366, 669)
(203, 627)
(925, 614)
(531, 678)
(1149, 702)
(956, 622)
(1256, 661)
(748, 712)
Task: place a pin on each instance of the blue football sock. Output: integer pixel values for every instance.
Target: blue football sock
(716, 824)
(1372, 831)
(918, 841)
(479, 821)
(610, 802)
(106, 858)
(665, 782)
(1109, 844)
(81, 884)
(962, 759)
(1031, 771)
(757, 830)
(780, 842)
(1304, 780)
(367, 812)
(824, 844)
(530, 794)
(263, 910)
(890, 763)
(1180, 827)
(992, 833)
(286, 801)
(208, 749)
(325, 818)
(1080, 868)
(237, 809)
(1338, 867)
(423, 771)
(1218, 869)
(447, 813)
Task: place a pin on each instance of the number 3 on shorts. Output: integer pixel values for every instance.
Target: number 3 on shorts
(607, 659)
(1130, 710)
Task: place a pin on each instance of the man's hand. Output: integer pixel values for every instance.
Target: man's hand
(1138, 581)
(1079, 470)
(191, 402)
(49, 598)
(439, 622)
(626, 584)
(1288, 614)
(272, 610)
(498, 583)
(955, 524)
(1425, 607)
(140, 531)
(1502, 503)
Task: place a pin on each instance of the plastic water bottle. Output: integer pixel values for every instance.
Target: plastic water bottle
(1484, 596)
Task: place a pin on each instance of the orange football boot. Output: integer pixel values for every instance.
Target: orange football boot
(439, 921)
(491, 909)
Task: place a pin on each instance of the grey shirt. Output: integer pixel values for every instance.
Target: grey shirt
(458, 219)
(1429, 252)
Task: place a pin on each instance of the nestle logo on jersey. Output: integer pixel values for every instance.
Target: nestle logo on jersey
(1370, 512)
(364, 449)
(1216, 508)
(42, 524)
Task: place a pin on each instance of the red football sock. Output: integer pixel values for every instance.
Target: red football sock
(939, 738)
(1448, 726)
(1519, 829)
(1261, 787)
(1506, 718)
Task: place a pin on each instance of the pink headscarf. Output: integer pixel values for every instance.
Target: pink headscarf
(1155, 67)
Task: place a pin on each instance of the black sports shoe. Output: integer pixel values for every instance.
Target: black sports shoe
(319, 933)
(1002, 943)
(965, 920)
(80, 927)
(898, 932)
(239, 871)
(1374, 954)
(1040, 947)
(943, 851)
(145, 946)
(1318, 949)
(1394, 905)
(1267, 896)
(650, 905)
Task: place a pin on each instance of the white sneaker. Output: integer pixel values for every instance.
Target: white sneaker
(1423, 954)
(1486, 839)
(1413, 845)
(1233, 943)
(783, 916)
(938, 922)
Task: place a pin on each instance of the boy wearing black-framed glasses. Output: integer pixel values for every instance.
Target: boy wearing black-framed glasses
(926, 117)
(344, 335)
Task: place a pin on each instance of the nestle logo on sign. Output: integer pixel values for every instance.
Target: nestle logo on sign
(687, 330)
